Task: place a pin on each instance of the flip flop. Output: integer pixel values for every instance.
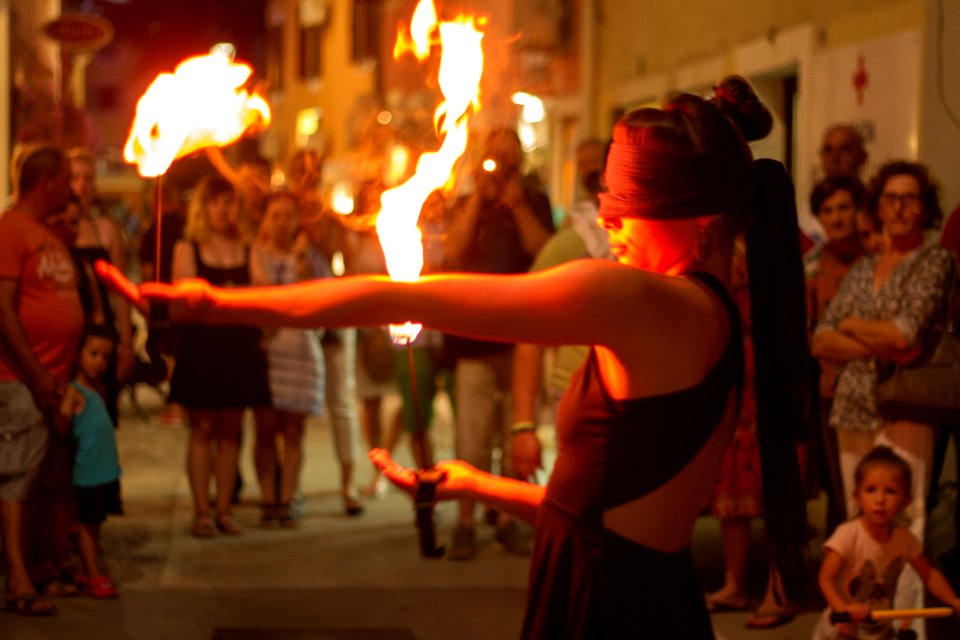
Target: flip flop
(769, 619)
(57, 589)
(715, 605)
(31, 605)
(203, 528)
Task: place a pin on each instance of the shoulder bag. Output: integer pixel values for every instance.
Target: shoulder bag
(928, 390)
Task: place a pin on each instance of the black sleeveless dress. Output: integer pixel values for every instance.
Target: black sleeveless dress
(586, 581)
(221, 366)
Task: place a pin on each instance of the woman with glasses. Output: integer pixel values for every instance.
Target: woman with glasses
(884, 306)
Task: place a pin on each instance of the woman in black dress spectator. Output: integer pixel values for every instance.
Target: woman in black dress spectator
(219, 370)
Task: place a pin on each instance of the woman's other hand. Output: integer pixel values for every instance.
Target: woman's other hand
(459, 481)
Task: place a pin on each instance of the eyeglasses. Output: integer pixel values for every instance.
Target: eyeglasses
(909, 201)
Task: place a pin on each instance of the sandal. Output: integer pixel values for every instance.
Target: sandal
(203, 528)
(57, 589)
(351, 506)
(227, 526)
(287, 516)
(31, 605)
(72, 574)
(101, 588)
(268, 515)
(768, 619)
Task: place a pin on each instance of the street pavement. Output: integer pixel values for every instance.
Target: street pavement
(333, 578)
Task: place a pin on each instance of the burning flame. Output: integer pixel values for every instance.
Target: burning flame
(201, 104)
(461, 66)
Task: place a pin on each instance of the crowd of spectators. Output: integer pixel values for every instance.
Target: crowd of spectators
(876, 286)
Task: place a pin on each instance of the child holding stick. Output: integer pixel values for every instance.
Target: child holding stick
(865, 555)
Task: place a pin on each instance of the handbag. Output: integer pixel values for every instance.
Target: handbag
(928, 390)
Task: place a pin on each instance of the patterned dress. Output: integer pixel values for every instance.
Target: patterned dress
(910, 297)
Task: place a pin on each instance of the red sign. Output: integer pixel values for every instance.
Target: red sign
(80, 31)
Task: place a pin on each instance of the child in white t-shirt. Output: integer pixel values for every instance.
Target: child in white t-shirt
(865, 555)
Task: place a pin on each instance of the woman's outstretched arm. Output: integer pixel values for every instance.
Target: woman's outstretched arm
(583, 302)
(519, 499)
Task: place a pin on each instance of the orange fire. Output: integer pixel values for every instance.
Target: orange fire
(201, 104)
(461, 66)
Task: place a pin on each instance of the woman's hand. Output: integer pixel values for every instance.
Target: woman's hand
(460, 480)
(116, 281)
(189, 298)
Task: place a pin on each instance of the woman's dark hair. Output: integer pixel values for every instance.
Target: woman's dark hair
(825, 189)
(691, 159)
(884, 457)
(929, 189)
(688, 159)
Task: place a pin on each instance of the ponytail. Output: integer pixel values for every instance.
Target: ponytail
(782, 365)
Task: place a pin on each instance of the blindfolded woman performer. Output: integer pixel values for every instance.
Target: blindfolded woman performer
(644, 423)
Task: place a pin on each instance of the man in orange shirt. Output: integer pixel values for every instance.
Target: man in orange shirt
(41, 321)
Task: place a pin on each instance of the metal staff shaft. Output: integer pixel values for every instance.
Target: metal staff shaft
(427, 478)
(156, 257)
(419, 428)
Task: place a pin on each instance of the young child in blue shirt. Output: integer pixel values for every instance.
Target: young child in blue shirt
(96, 470)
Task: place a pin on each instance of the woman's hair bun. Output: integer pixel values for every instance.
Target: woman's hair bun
(736, 99)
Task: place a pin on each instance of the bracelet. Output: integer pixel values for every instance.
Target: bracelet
(522, 427)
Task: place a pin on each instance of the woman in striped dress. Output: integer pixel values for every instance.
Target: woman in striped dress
(295, 359)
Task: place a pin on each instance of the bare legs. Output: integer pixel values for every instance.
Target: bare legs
(736, 543)
(89, 539)
(11, 534)
(340, 361)
(272, 425)
(214, 440)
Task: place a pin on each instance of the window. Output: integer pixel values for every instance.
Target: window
(275, 59)
(366, 29)
(310, 42)
(312, 17)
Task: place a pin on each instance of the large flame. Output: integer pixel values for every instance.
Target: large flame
(201, 104)
(461, 66)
